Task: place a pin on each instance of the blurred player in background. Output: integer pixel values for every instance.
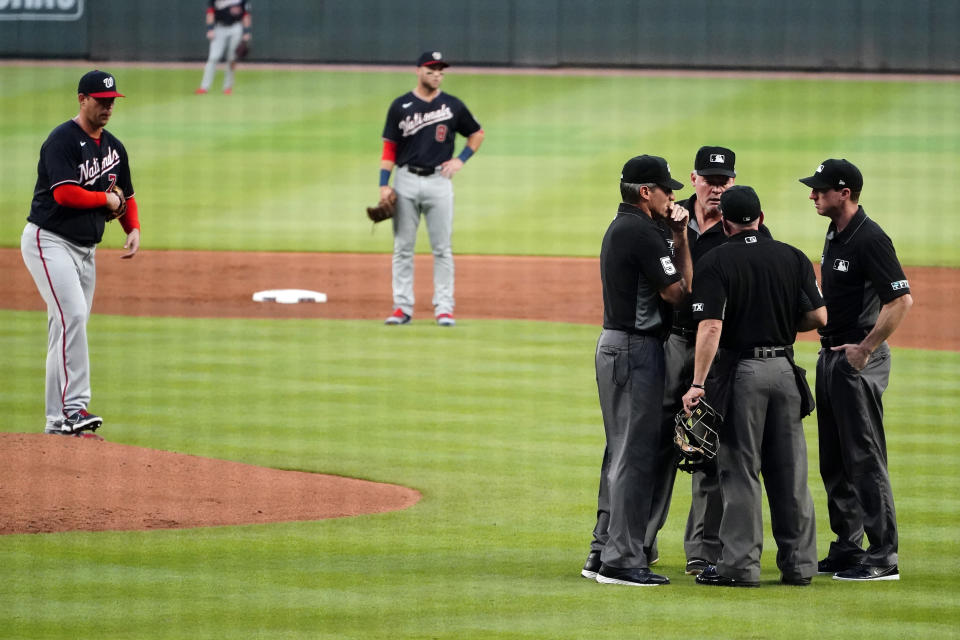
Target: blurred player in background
(228, 23)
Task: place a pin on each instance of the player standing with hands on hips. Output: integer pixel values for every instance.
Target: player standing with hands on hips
(640, 281)
(750, 297)
(867, 298)
(228, 24)
(418, 138)
(80, 164)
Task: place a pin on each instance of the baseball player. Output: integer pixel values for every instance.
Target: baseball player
(867, 298)
(418, 138)
(640, 280)
(228, 23)
(750, 297)
(80, 163)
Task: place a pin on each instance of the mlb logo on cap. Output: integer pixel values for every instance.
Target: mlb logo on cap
(715, 161)
(717, 157)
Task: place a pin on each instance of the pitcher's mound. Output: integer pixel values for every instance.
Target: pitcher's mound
(52, 483)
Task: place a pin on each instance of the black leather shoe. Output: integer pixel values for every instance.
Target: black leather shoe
(630, 577)
(829, 566)
(591, 566)
(795, 582)
(711, 578)
(696, 566)
(865, 573)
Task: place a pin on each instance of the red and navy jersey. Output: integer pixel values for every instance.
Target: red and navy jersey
(424, 131)
(70, 156)
(227, 12)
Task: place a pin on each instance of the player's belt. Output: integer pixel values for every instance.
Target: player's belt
(767, 352)
(850, 337)
(420, 171)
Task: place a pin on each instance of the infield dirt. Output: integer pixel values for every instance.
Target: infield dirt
(46, 483)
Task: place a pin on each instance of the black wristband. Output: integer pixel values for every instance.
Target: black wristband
(697, 386)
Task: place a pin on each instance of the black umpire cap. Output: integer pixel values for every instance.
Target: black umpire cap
(99, 84)
(432, 59)
(715, 161)
(740, 204)
(835, 174)
(649, 170)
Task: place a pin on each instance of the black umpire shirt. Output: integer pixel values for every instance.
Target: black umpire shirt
(635, 265)
(700, 243)
(860, 274)
(758, 287)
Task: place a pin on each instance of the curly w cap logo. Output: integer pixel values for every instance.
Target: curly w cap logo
(668, 267)
(108, 82)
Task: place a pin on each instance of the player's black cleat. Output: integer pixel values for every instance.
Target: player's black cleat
(81, 421)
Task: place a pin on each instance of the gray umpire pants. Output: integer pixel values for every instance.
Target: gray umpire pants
(66, 276)
(630, 384)
(224, 42)
(853, 457)
(763, 434)
(701, 538)
(430, 197)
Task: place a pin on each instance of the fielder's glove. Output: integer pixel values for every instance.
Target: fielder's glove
(243, 50)
(696, 437)
(122, 209)
(384, 209)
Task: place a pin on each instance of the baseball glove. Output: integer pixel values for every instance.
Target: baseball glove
(384, 209)
(696, 437)
(122, 209)
(243, 50)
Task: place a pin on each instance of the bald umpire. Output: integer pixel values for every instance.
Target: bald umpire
(750, 297)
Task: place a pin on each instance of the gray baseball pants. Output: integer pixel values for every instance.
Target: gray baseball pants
(630, 372)
(701, 537)
(66, 276)
(430, 197)
(853, 457)
(763, 434)
(224, 42)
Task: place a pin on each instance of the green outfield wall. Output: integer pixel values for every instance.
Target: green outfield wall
(856, 35)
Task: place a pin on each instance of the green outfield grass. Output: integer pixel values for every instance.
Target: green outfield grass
(497, 424)
(289, 161)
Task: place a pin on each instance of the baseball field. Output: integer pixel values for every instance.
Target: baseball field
(495, 424)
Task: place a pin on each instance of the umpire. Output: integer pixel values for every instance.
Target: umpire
(867, 298)
(639, 281)
(750, 297)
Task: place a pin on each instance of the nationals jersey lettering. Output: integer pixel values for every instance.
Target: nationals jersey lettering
(424, 131)
(70, 156)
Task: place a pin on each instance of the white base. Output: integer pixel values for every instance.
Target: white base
(289, 296)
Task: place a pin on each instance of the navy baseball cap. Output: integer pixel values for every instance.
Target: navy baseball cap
(99, 84)
(740, 204)
(715, 161)
(432, 59)
(649, 170)
(835, 174)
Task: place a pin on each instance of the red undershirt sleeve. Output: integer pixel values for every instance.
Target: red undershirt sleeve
(131, 220)
(76, 197)
(389, 151)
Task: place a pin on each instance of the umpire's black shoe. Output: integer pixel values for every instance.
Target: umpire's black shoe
(696, 566)
(630, 577)
(865, 573)
(591, 566)
(711, 578)
(795, 582)
(830, 566)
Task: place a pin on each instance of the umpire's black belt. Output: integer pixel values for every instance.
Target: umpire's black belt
(767, 352)
(420, 171)
(683, 333)
(850, 337)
